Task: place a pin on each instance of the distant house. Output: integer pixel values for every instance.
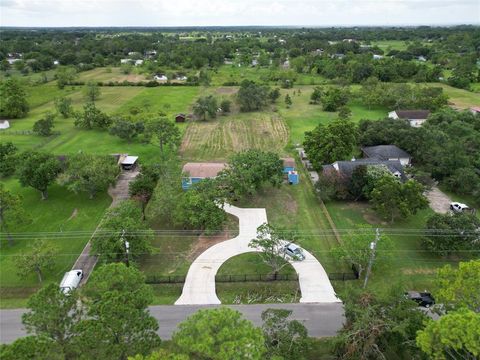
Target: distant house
(377, 57)
(415, 117)
(160, 77)
(180, 118)
(475, 110)
(387, 152)
(346, 168)
(196, 172)
(138, 62)
(422, 58)
(4, 124)
(337, 56)
(181, 78)
(56, 62)
(125, 61)
(150, 53)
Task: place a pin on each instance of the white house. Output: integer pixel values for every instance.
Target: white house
(416, 118)
(138, 62)
(125, 61)
(160, 77)
(422, 58)
(181, 78)
(377, 57)
(4, 124)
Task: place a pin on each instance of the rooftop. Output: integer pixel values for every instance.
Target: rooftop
(203, 170)
(288, 162)
(385, 152)
(413, 114)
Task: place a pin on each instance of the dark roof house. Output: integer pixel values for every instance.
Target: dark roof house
(180, 118)
(387, 152)
(346, 168)
(416, 118)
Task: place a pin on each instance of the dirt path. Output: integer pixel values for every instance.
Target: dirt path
(439, 201)
(119, 192)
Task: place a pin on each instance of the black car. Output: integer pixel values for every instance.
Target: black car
(424, 299)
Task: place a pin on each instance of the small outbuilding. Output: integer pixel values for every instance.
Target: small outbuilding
(180, 118)
(129, 162)
(288, 164)
(475, 110)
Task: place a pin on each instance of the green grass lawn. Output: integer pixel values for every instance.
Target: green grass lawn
(412, 266)
(231, 73)
(460, 98)
(302, 116)
(64, 211)
(386, 45)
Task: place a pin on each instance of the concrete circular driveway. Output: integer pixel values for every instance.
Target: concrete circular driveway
(199, 287)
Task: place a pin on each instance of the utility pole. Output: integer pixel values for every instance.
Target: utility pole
(127, 247)
(373, 246)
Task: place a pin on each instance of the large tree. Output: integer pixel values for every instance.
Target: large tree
(11, 212)
(92, 117)
(31, 347)
(251, 96)
(8, 159)
(205, 106)
(379, 327)
(391, 198)
(334, 98)
(284, 339)
(118, 323)
(65, 75)
(165, 131)
(14, 99)
(329, 143)
(201, 207)
(271, 246)
(355, 250)
(44, 126)
(91, 92)
(458, 288)
(455, 335)
(53, 315)
(448, 233)
(248, 170)
(219, 334)
(63, 105)
(89, 173)
(126, 129)
(39, 170)
(122, 223)
(39, 259)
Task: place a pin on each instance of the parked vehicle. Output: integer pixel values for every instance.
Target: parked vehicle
(424, 299)
(458, 207)
(70, 280)
(294, 251)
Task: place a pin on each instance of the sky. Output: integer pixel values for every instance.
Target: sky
(315, 13)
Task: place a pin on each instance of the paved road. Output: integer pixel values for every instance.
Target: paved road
(199, 287)
(119, 192)
(321, 320)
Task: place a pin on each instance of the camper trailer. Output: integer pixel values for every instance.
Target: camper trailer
(71, 280)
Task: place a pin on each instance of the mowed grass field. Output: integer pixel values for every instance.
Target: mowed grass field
(460, 98)
(114, 74)
(219, 138)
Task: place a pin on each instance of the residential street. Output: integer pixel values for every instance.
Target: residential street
(321, 320)
(199, 287)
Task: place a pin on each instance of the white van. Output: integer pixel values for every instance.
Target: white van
(71, 280)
